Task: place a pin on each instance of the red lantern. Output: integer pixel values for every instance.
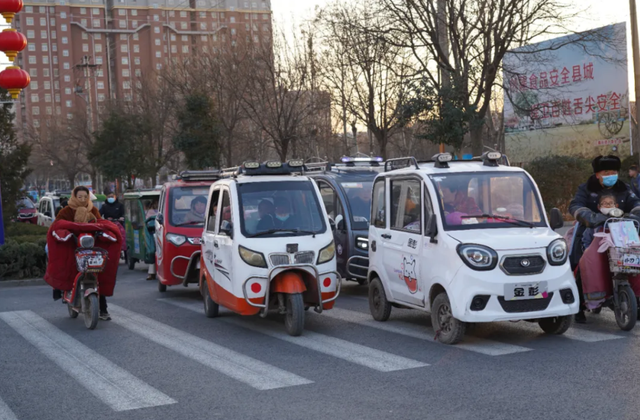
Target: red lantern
(14, 79)
(12, 42)
(8, 8)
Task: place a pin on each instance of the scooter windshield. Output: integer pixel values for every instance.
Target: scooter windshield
(282, 208)
(481, 200)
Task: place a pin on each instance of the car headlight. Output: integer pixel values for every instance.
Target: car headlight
(478, 257)
(177, 240)
(362, 243)
(253, 258)
(557, 252)
(327, 253)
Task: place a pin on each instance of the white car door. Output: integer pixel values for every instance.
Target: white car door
(209, 251)
(403, 241)
(223, 241)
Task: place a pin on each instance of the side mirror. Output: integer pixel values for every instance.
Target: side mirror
(432, 228)
(340, 222)
(556, 219)
(226, 227)
(332, 223)
(160, 218)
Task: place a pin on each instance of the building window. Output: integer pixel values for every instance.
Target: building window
(45, 59)
(126, 85)
(34, 97)
(45, 72)
(122, 12)
(49, 110)
(85, 35)
(183, 25)
(138, 73)
(68, 104)
(123, 48)
(134, 24)
(202, 15)
(157, 41)
(83, 22)
(213, 25)
(158, 66)
(246, 16)
(183, 14)
(33, 85)
(158, 54)
(42, 9)
(56, 85)
(100, 85)
(83, 11)
(32, 47)
(172, 13)
(36, 123)
(156, 18)
(63, 15)
(123, 37)
(32, 59)
(85, 47)
(33, 73)
(65, 53)
(100, 97)
(98, 60)
(100, 73)
(125, 61)
(30, 21)
(96, 23)
(233, 31)
(127, 97)
(185, 38)
(203, 26)
(134, 12)
(57, 98)
(98, 36)
(98, 47)
(232, 19)
(265, 16)
(67, 91)
(47, 84)
(29, 9)
(70, 116)
(47, 97)
(185, 49)
(136, 48)
(65, 40)
(54, 47)
(156, 30)
(246, 26)
(43, 21)
(136, 37)
(205, 48)
(43, 34)
(63, 28)
(66, 66)
(125, 73)
(122, 24)
(67, 78)
(203, 38)
(174, 49)
(96, 11)
(173, 37)
(53, 35)
(136, 61)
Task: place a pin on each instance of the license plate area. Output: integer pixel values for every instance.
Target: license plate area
(523, 291)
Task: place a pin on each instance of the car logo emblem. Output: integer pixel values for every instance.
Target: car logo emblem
(525, 262)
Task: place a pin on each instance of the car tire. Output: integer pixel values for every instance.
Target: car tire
(627, 311)
(91, 311)
(294, 318)
(211, 309)
(379, 306)
(556, 325)
(448, 329)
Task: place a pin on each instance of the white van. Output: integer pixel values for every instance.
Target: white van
(267, 245)
(468, 241)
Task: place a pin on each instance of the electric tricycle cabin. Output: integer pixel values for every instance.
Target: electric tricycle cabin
(469, 242)
(267, 244)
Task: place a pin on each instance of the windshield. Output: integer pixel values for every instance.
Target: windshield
(283, 208)
(187, 206)
(25, 203)
(359, 197)
(488, 200)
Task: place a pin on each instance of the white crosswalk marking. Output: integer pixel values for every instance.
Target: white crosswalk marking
(342, 349)
(478, 345)
(106, 381)
(578, 334)
(243, 368)
(5, 412)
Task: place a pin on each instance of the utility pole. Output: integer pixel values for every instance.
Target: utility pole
(88, 71)
(443, 40)
(636, 65)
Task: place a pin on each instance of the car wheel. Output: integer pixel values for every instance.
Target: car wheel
(448, 329)
(379, 306)
(556, 325)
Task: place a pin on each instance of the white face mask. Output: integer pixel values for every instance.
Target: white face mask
(606, 210)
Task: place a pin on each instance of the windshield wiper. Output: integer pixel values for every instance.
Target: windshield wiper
(270, 231)
(193, 222)
(511, 220)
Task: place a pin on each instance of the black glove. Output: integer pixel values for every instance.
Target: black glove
(591, 219)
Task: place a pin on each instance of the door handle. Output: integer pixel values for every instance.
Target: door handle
(386, 236)
(215, 244)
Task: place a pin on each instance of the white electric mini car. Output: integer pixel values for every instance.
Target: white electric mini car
(468, 241)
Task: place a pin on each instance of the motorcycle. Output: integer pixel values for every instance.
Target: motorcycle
(90, 261)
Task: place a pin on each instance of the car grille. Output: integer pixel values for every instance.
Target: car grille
(525, 305)
(514, 266)
(279, 259)
(305, 257)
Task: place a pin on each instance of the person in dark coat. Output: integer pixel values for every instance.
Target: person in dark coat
(584, 207)
(112, 208)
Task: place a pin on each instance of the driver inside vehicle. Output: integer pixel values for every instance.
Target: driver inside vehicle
(457, 203)
(196, 213)
(267, 214)
(284, 215)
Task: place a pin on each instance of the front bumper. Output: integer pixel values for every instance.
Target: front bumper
(468, 284)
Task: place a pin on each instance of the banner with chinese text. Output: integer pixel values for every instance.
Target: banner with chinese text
(564, 97)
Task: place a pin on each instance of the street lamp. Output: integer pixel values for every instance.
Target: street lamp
(354, 130)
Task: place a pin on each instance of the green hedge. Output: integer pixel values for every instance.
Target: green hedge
(23, 255)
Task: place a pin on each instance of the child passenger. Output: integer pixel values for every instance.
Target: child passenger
(606, 203)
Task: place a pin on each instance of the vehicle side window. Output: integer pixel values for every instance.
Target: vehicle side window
(225, 209)
(49, 207)
(163, 194)
(127, 209)
(378, 213)
(406, 208)
(213, 211)
(428, 207)
(331, 200)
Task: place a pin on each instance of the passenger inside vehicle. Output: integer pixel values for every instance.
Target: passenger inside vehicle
(196, 213)
(267, 214)
(284, 214)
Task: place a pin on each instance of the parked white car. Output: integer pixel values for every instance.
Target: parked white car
(47, 209)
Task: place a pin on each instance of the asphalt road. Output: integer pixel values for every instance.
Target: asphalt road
(161, 358)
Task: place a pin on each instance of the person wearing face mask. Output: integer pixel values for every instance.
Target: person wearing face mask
(285, 219)
(606, 204)
(585, 207)
(112, 209)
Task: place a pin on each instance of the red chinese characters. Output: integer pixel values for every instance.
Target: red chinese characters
(554, 77)
(614, 101)
(577, 106)
(577, 76)
(565, 76)
(602, 103)
(544, 82)
(591, 104)
(533, 82)
(588, 71)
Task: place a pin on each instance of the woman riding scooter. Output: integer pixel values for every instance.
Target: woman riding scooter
(584, 207)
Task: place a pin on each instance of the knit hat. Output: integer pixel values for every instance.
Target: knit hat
(606, 163)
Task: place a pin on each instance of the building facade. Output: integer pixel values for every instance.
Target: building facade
(81, 53)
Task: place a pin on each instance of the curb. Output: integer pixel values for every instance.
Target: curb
(22, 283)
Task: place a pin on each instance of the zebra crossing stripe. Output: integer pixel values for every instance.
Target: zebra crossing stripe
(106, 381)
(336, 347)
(5, 412)
(252, 372)
(474, 344)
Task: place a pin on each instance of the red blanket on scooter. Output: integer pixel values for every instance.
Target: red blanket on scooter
(62, 269)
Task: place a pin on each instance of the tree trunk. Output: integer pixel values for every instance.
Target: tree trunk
(477, 140)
